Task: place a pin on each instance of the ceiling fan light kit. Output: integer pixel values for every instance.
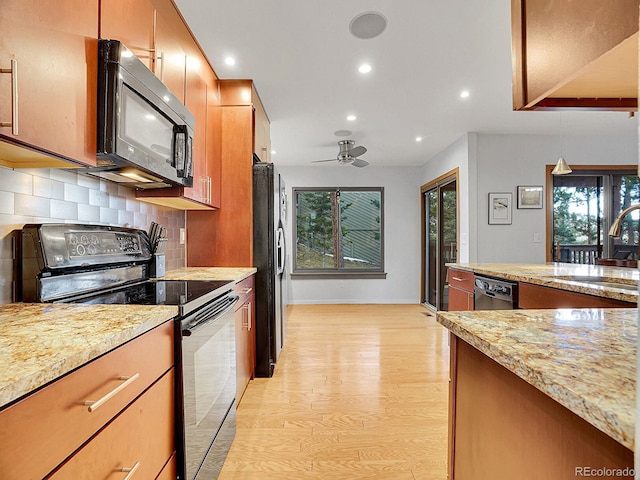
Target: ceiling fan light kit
(348, 154)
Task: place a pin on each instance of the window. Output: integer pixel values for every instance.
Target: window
(585, 203)
(339, 231)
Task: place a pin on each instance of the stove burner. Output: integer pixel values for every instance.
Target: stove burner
(183, 293)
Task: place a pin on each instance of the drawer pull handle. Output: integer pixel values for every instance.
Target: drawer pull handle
(457, 279)
(94, 405)
(247, 325)
(14, 96)
(131, 470)
(247, 290)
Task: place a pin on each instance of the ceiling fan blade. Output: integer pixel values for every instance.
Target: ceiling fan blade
(359, 163)
(357, 151)
(329, 160)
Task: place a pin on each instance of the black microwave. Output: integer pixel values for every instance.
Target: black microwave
(145, 134)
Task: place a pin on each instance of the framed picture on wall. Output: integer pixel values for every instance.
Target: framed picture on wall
(500, 208)
(530, 196)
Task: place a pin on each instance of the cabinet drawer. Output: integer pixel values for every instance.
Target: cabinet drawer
(244, 290)
(141, 436)
(461, 279)
(43, 429)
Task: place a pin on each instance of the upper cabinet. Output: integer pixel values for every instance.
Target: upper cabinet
(575, 54)
(244, 93)
(48, 57)
(155, 31)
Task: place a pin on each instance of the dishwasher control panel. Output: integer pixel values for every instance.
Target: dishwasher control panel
(495, 294)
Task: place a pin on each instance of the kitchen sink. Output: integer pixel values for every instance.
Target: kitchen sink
(610, 282)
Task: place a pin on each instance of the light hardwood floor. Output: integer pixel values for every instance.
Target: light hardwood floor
(359, 392)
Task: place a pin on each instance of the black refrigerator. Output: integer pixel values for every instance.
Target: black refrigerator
(269, 254)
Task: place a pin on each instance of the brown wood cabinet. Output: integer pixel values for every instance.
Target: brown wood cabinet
(132, 23)
(501, 427)
(461, 290)
(40, 431)
(537, 296)
(140, 438)
(224, 238)
(52, 49)
(158, 33)
(245, 335)
(575, 54)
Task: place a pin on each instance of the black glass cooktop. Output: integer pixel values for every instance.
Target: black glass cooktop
(162, 292)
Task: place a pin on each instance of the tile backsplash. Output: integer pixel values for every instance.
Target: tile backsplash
(64, 196)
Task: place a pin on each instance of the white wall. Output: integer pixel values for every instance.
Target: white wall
(401, 235)
(499, 163)
(506, 161)
(457, 156)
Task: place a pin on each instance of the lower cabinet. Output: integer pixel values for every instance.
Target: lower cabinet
(536, 296)
(245, 335)
(461, 286)
(140, 440)
(122, 400)
(503, 428)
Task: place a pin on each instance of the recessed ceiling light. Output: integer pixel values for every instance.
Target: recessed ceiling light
(364, 68)
(273, 152)
(230, 61)
(418, 139)
(464, 94)
(351, 118)
(342, 133)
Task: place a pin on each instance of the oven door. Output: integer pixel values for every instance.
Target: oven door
(206, 398)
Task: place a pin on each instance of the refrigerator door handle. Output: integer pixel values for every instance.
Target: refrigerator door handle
(281, 250)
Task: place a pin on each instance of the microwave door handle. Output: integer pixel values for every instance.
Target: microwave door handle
(179, 149)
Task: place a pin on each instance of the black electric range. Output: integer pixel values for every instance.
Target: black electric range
(188, 295)
(71, 263)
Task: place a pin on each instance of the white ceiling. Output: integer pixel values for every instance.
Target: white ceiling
(304, 63)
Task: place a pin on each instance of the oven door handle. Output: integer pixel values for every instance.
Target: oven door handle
(209, 315)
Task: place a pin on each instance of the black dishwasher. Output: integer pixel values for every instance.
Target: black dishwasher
(495, 294)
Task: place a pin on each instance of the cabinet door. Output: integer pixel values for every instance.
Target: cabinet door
(460, 300)
(130, 22)
(245, 335)
(55, 46)
(196, 102)
(261, 131)
(170, 55)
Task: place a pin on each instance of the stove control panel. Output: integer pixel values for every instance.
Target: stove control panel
(50, 246)
(84, 244)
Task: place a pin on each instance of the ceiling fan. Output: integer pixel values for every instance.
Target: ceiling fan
(348, 154)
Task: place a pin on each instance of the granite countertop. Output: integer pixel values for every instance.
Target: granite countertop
(554, 275)
(41, 342)
(236, 274)
(585, 359)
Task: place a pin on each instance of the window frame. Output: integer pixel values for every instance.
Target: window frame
(343, 273)
(596, 170)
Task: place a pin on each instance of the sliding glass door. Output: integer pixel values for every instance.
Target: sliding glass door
(440, 242)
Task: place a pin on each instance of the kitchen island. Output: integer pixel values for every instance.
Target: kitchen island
(617, 284)
(542, 393)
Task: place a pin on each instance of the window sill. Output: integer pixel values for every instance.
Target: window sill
(342, 275)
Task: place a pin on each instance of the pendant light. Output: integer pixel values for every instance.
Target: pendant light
(561, 167)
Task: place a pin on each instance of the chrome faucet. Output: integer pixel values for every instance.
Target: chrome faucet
(616, 227)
